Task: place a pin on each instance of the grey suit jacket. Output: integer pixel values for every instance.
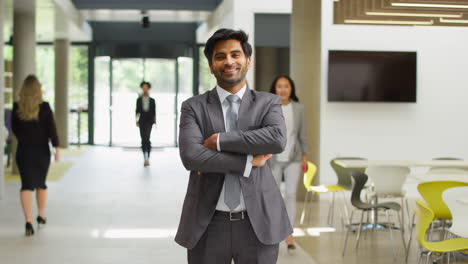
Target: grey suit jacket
(299, 129)
(261, 131)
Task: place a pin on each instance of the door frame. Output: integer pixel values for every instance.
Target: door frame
(111, 88)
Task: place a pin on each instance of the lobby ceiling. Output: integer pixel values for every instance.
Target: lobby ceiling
(446, 13)
(198, 5)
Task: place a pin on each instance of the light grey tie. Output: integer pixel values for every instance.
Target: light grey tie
(231, 182)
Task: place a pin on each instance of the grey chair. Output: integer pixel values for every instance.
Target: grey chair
(359, 181)
(344, 180)
(343, 174)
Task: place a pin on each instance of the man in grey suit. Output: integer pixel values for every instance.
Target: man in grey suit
(233, 209)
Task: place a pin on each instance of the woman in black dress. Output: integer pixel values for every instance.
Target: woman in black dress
(33, 125)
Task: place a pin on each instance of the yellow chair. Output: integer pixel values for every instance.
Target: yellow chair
(307, 180)
(432, 194)
(425, 216)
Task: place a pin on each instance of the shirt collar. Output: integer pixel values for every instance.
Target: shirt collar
(222, 94)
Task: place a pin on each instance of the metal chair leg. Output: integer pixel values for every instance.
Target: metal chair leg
(402, 222)
(408, 247)
(331, 211)
(359, 230)
(391, 234)
(347, 233)
(444, 230)
(345, 206)
(428, 257)
(304, 208)
(400, 213)
(310, 209)
(421, 253)
(367, 222)
(408, 210)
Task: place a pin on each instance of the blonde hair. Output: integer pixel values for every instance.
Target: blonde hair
(30, 98)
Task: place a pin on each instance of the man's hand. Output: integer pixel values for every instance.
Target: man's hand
(211, 142)
(260, 160)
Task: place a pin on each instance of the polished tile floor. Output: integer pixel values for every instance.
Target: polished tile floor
(108, 208)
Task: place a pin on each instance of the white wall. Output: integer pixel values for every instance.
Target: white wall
(437, 125)
(240, 14)
(222, 17)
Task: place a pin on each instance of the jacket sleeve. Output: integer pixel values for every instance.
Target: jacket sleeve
(137, 107)
(269, 139)
(15, 120)
(197, 157)
(303, 132)
(154, 110)
(52, 128)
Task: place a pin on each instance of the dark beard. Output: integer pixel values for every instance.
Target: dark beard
(227, 83)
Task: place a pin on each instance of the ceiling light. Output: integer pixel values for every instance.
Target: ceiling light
(145, 22)
(429, 5)
(413, 14)
(460, 21)
(388, 22)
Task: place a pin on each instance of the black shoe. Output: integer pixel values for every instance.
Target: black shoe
(291, 247)
(29, 229)
(41, 220)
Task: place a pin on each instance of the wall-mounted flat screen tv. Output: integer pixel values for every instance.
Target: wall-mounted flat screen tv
(371, 76)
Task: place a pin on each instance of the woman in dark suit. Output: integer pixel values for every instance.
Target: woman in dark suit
(146, 117)
(33, 125)
(292, 162)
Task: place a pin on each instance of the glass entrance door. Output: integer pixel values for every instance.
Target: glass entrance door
(115, 99)
(161, 73)
(126, 77)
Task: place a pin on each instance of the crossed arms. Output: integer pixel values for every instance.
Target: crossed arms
(269, 138)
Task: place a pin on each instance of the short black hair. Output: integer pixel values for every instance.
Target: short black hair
(226, 34)
(293, 95)
(145, 82)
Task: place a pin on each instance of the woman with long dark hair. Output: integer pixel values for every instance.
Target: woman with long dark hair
(34, 126)
(292, 162)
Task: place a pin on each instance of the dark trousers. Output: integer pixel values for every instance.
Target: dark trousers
(224, 241)
(145, 133)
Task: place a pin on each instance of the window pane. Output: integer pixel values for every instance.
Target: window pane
(101, 100)
(45, 71)
(78, 95)
(207, 80)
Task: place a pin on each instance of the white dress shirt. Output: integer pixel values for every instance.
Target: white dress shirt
(145, 100)
(221, 206)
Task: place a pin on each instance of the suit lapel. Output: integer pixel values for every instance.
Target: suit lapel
(215, 111)
(245, 110)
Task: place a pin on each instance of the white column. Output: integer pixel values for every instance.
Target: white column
(2, 103)
(305, 68)
(24, 49)
(62, 52)
(24, 41)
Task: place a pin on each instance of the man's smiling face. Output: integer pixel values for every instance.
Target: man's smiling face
(229, 63)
